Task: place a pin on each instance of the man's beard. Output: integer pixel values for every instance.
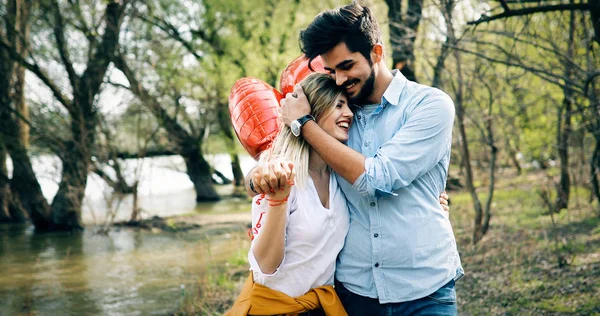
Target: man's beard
(365, 92)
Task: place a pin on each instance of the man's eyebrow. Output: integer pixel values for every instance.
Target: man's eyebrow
(342, 64)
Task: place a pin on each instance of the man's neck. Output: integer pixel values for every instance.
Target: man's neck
(382, 80)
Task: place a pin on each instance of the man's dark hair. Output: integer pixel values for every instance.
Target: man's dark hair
(352, 24)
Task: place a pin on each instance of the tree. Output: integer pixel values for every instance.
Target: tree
(63, 21)
(21, 196)
(186, 141)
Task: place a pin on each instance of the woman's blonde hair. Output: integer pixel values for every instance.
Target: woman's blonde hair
(322, 93)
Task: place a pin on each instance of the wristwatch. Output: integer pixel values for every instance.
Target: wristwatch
(296, 125)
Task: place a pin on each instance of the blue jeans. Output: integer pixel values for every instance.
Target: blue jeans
(441, 302)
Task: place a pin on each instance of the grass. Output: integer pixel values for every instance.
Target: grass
(216, 289)
(513, 270)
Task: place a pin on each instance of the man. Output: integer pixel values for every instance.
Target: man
(400, 254)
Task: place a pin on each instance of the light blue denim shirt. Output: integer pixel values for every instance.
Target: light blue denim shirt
(400, 245)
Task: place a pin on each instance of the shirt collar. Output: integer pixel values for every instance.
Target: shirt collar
(394, 89)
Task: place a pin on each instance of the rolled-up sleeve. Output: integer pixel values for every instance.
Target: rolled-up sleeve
(420, 144)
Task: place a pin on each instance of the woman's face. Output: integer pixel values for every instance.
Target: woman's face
(337, 123)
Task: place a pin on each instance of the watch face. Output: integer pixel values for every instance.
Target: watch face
(295, 127)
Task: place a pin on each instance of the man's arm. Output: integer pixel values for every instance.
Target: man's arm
(415, 149)
(346, 162)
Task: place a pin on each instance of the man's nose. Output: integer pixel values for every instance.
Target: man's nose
(340, 79)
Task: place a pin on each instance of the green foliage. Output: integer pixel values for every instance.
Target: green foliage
(513, 269)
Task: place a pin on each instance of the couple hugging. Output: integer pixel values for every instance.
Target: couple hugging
(349, 212)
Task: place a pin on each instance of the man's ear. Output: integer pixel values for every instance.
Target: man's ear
(377, 53)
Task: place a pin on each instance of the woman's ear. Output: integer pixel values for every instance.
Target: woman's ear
(377, 53)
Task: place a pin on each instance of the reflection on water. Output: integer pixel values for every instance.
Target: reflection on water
(127, 272)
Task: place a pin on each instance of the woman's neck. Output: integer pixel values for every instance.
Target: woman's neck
(316, 164)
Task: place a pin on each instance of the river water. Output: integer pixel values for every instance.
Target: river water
(125, 271)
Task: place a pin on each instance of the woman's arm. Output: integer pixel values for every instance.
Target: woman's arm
(269, 244)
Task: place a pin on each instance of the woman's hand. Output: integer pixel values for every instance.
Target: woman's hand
(271, 176)
(286, 181)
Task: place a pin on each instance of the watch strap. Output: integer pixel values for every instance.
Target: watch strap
(305, 119)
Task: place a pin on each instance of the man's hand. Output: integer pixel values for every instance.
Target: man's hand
(271, 176)
(445, 201)
(294, 106)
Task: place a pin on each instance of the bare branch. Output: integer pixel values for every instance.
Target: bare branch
(59, 35)
(540, 9)
(542, 73)
(168, 122)
(174, 33)
(40, 73)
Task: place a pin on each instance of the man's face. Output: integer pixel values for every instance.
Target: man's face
(352, 71)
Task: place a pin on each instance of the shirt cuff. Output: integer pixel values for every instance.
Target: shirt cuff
(366, 184)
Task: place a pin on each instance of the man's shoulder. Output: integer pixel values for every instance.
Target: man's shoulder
(420, 95)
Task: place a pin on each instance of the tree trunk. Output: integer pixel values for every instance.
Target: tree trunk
(564, 131)
(66, 206)
(564, 126)
(136, 211)
(403, 33)
(26, 189)
(464, 149)
(238, 175)
(12, 100)
(5, 195)
(200, 174)
(512, 153)
(492, 169)
(595, 167)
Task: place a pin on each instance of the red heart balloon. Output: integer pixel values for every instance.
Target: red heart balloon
(298, 70)
(253, 106)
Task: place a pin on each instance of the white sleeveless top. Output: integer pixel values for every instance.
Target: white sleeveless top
(314, 237)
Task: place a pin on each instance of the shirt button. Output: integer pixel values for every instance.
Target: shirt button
(376, 235)
(366, 144)
(377, 265)
(373, 204)
(358, 117)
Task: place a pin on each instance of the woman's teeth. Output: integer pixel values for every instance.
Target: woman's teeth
(343, 124)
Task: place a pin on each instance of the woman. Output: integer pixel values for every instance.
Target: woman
(298, 231)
